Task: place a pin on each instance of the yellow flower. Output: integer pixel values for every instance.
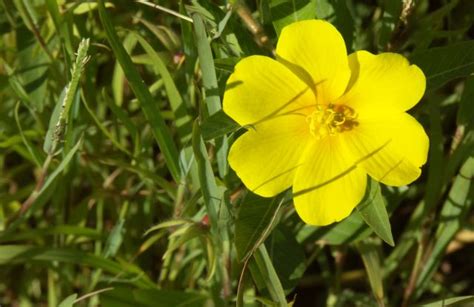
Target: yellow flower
(320, 120)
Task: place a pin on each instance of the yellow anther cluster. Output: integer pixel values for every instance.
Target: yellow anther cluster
(331, 119)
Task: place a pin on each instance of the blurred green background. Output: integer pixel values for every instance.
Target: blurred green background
(114, 184)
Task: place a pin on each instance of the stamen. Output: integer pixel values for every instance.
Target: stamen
(331, 119)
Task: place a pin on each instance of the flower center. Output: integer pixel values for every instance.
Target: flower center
(331, 119)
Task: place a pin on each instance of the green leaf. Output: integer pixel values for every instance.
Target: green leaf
(350, 230)
(442, 64)
(338, 13)
(217, 125)
(126, 297)
(168, 224)
(53, 121)
(388, 22)
(370, 256)
(147, 103)
(182, 119)
(211, 194)
(266, 271)
(185, 234)
(36, 233)
(115, 239)
(165, 298)
(211, 88)
(86, 7)
(287, 256)
(373, 211)
(454, 301)
(102, 128)
(285, 12)
(465, 116)
(255, 218)
(453, 213)
(206, 61)
(44, 189)
(68, 301)
(13, 254)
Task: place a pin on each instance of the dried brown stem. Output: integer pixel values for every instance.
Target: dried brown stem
(253, 25)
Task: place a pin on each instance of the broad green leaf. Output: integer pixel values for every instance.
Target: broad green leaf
(373, 211)
(217, 125)
(287, 256)
(285, 12)
(255, 218)
(442, 64)
(68, 301)
(147, 103)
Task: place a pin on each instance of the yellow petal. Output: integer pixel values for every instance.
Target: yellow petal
(383, 83)
(401, 147)
(317, 48)
(328, 186)
(266, 158)
(261, 88)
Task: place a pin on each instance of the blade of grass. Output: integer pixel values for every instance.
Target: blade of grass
(152, 113)
(211, 88)
(457, 204)
(26, 253)
(371, 258)
(270, 276)
(182, 118)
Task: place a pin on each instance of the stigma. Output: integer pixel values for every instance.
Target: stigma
(331, 119)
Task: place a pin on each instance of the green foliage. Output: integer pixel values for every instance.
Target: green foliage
(114, 184)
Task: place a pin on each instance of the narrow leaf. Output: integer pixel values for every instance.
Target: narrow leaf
(217, 125)
(287, 256)
(370, 256)
(373, 211)
(285, 12)
(454, 301)
(147, 103)
(256, 215)
(68, 301)
(453, 212)
(442, 64)
(269, 275)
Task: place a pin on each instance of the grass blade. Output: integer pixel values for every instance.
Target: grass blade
(147, 103)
